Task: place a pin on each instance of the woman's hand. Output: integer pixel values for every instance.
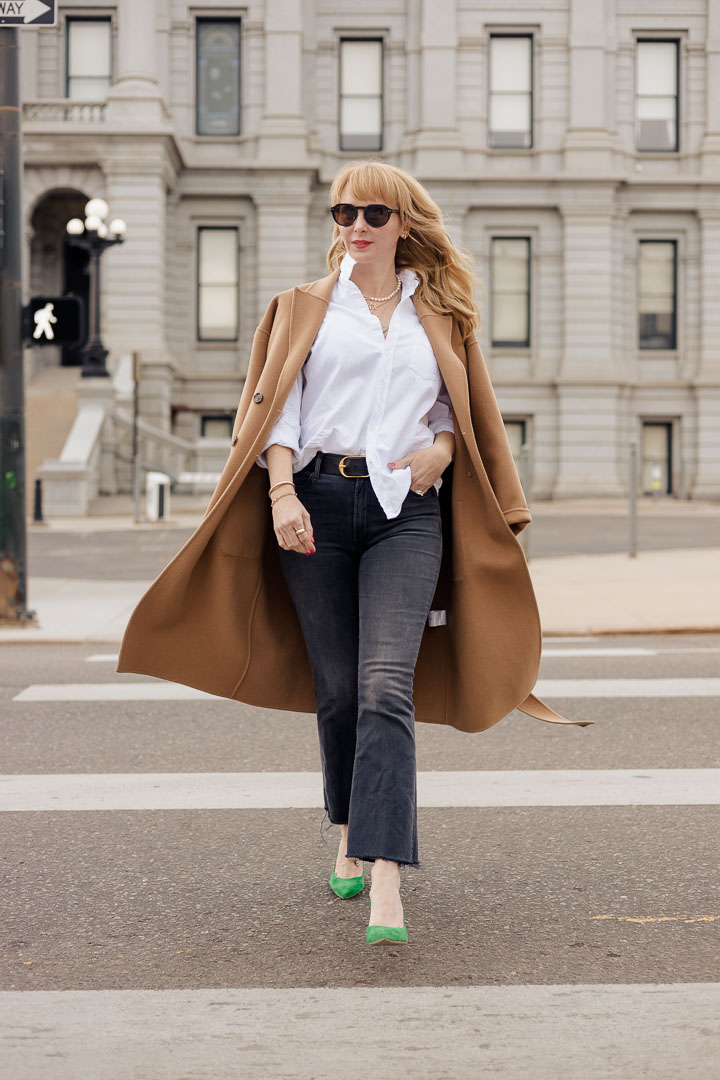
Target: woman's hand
(289, 514)
(425, 465)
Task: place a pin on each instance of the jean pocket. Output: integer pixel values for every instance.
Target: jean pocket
(303, 479)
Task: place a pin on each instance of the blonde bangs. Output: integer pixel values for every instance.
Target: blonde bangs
(370, 182)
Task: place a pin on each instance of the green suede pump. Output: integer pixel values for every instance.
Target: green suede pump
(345, 887)
(388, 935)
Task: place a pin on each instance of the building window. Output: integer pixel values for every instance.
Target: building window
(217, 299)
(361, 94)
(216, 427)
(657, 294)
(656, 97)
(218, 77)
(511, 105)
(656, 475)
(510, 290)
(88, 59)
(515, 431)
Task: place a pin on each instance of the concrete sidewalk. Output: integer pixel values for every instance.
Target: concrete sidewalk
(657, 591)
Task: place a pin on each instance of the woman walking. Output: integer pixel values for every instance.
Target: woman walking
(355, 461)
(357, 597)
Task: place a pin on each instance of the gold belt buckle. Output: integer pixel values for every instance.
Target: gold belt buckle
(350, 476)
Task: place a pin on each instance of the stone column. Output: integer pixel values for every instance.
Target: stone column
(438, 151)
(711, 140)
(283, 132)
(589, 421)
(283, 209)
(707, 382)
(588, 142)
(134, 98)
(134, 273)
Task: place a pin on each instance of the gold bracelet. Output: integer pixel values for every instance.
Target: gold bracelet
(279, 484)
(273, 501)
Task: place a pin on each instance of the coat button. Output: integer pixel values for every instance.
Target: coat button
(234, 440)
(258, 397)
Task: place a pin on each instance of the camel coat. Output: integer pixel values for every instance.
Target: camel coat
(219, 616)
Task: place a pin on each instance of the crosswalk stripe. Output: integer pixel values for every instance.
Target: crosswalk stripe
(636, 688)
(115, 691)
(630, 651)
(303, 790)
(554, 688)
(599, 652)
(663, 1030)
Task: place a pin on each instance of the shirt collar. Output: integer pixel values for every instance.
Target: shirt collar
(408, 277)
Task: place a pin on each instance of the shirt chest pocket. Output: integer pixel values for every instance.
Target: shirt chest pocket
(420, 358)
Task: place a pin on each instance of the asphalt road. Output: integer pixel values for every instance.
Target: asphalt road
(182, 943)
(140, 555)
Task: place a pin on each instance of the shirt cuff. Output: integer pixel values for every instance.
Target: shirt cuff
(436, 426)
(285, 436)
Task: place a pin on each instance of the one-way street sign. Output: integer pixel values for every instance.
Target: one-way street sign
(28, 12)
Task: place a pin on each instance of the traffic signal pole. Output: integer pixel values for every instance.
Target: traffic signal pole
(13, 540)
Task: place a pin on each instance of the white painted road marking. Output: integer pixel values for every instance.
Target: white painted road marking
(561, 1032)
(635, 651)
(303, 790)
(115, 691)
(554, 688)
(599, 652)
(636, 688)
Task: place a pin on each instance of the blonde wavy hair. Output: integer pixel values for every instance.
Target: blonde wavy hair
(446, 273)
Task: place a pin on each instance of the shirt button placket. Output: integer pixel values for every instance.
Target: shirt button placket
(381, 392)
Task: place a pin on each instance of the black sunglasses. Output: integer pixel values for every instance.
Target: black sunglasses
(376, 215)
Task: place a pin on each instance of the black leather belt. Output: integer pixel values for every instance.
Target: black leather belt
(345, 465)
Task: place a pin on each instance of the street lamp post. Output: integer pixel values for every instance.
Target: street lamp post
(94, 236)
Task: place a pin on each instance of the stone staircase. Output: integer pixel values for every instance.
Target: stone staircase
(50, 411)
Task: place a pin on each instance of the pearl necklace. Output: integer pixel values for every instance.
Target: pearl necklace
(374, 300)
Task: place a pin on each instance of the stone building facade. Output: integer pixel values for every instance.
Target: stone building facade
(574, 146)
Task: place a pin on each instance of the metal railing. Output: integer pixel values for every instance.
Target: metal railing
(160, 451)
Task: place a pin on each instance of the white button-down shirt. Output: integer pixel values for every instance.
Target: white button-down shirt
(365, 394)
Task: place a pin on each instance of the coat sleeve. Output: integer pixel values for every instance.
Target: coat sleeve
(256, 363)
(286, 431)
(492, 440)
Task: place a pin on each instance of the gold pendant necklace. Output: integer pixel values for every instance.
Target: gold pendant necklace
(373, 301)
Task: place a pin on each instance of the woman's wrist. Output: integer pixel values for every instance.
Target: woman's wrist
(279, 497)
(445, 441)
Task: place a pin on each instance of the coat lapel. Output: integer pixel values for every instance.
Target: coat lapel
(309, 304)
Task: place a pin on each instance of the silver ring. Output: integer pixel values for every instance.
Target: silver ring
(298, 531)
(418, 492)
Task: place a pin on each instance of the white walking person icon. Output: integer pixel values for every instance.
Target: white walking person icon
(43, 317)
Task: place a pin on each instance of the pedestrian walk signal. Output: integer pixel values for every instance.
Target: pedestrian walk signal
(54, 320)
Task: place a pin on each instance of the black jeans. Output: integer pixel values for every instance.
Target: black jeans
(362, 600)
